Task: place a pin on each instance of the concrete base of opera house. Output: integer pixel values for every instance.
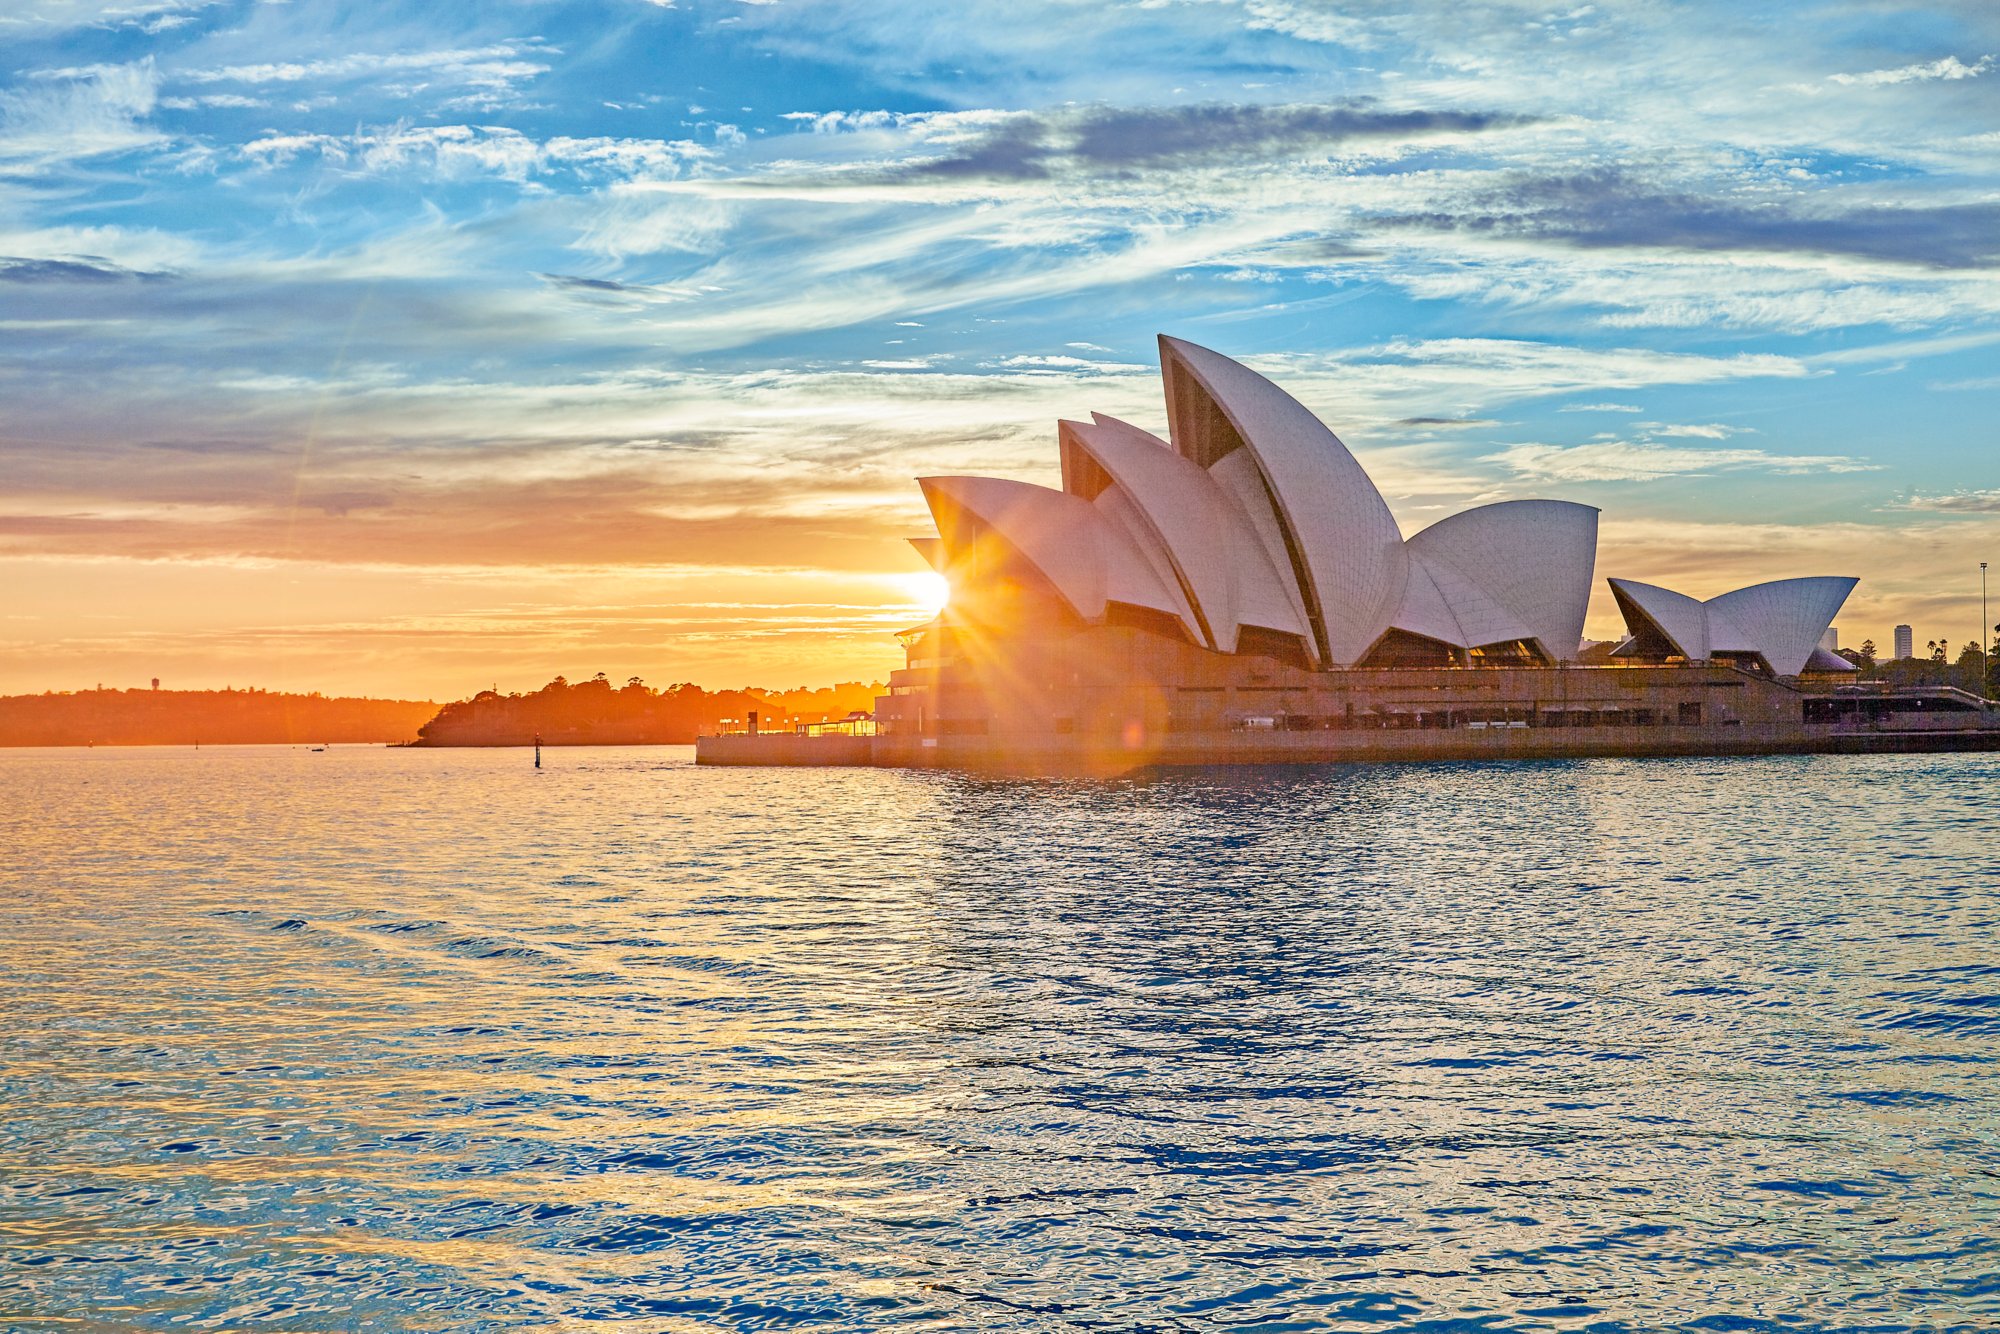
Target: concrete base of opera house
(992, 755)
(1246, 714)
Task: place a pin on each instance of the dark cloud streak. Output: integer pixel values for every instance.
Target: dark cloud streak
(1115, 137)
(1616, 209)
(1033, 147)
(81, 269)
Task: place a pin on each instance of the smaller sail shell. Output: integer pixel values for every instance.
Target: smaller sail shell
(1080, 553)
(1786, 617)
(1442, 604)
(1780, 622)
(1680, 619)
(1532, 557)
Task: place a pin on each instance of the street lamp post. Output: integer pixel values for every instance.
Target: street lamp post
(1984, 673)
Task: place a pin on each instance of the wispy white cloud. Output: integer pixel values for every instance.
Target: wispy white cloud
(213, 100)
(1951, 502)
(1638, 461)
(1691, 431)
(1420, 376)
(496, 66)
(1067, 365)
(83, 113)
(1948, 68)
(151, 15)
(1310, 23)
(138, 249)
(481, 149)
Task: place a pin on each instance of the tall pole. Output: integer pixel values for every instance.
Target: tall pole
(1983, 641)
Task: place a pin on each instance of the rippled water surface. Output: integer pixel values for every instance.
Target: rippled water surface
(411, 1040)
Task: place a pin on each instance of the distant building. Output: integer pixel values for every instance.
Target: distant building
(1830, 639)
(156, 683)
(1906, 642)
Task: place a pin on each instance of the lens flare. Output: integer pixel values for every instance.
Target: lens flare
(926, 589)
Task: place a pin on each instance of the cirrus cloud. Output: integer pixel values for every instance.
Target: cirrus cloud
(1952, 502)
(1645, 461)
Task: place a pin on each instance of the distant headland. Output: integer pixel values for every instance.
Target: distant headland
(596, 713)
(587, 713)
(158, 717)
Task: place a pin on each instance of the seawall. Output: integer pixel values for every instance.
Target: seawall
(1045, 755)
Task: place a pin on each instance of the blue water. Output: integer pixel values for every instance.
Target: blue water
(401, 1040)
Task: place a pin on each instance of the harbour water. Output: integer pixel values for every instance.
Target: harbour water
(421, 1040)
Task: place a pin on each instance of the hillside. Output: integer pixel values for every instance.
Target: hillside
(204, 717)
(596, 713)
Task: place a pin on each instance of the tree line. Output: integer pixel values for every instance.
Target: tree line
(204, 717)
(595, 712)
(1936, 665)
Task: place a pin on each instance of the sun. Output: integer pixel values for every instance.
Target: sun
(926, 589)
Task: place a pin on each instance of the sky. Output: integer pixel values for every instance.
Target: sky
(416, 349)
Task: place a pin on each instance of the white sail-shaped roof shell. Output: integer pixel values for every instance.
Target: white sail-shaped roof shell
(1482, 618)
(1086, 557)
(1243, 483)
(1682, 619)
(1781, 621)
(1784, 619)
(1442, 604)
(1128, 519)
(1213, 552)
(1726, 634)
(1535, 558)
(1343, 544)
(1424, 610)
(1826, 660)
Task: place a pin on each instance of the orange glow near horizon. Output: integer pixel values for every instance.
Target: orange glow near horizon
(444, 634)
(807, 608)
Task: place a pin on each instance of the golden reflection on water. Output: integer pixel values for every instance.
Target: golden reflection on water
(434, 1041)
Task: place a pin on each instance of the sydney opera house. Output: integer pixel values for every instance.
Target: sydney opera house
(1240, 592)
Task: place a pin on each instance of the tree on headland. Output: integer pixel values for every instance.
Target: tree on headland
(1930, 667)
(593, 713)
